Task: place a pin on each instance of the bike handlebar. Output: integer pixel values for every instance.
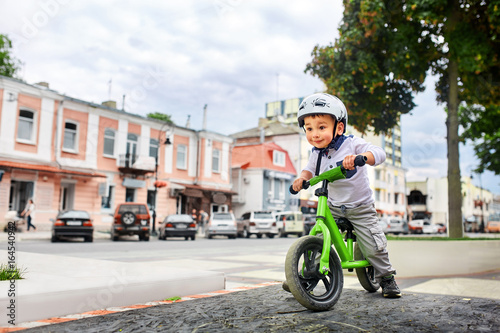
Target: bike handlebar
(359, 160)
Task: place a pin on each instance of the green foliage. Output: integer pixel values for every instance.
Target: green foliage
(10, 273)
(160, 116)
(8, 65)
(481, 126)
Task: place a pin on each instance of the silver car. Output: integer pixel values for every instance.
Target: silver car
(221, 224)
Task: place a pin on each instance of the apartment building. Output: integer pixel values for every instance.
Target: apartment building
(387, 180)
(67, 153)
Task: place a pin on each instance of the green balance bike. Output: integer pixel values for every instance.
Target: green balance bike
(313, 270)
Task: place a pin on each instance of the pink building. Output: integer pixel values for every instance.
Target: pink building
(67, 153)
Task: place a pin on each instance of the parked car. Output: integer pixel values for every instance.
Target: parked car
(178, 225)
(131, 218)
(309, 222)
(429, 228)
(416, 226)
(441, 228)
(221, 224)
(257, 223)
(289, 223)
(397, 226)
(493, 226)
(384, 224)
(72, 223)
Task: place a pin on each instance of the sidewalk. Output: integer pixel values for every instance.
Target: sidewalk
(74, 288)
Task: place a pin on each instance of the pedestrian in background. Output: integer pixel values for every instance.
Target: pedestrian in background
(28, 212)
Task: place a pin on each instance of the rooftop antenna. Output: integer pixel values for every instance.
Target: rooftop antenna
(109, 89)
(205, 117)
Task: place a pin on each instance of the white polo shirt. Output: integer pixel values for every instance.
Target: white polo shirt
(354, 191)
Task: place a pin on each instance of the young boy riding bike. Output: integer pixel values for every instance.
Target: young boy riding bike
(324, 119)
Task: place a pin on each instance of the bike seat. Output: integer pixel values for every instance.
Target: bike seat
(344, 224)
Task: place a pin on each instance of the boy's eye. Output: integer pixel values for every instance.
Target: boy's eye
(322, 127)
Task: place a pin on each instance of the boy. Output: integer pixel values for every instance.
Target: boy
(324, 119)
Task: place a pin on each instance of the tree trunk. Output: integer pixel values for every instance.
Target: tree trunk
(455, 222)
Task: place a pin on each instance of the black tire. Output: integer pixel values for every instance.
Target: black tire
(259, 235)
(128, 218)
(54, 239)
(89, 239)
(310, 288)
(270, 235)
(366, 275)
(114, 238)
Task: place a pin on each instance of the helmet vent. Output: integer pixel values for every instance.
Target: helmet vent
(321, 102)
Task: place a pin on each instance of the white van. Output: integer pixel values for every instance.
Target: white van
(289, 223)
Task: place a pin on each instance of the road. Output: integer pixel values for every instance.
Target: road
(244, 261)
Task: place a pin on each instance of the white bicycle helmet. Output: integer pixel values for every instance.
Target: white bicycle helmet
(322, 103)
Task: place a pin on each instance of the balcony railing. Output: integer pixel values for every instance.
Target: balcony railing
(136, 163)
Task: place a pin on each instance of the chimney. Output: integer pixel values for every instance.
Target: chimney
(43, 84)
(188, 122)
(110, 104)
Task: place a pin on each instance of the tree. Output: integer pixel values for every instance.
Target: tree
(385, 50)
(8, 65)
(160, 116)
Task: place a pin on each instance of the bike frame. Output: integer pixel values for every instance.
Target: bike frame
(326, 225)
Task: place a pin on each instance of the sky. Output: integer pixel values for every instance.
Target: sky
(175, 57)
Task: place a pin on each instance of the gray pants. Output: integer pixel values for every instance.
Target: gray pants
(369, 235)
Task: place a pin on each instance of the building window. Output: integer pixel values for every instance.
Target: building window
(216, 160)
(130, 195)
(109, 142)
(278, 158)
(181, 157)
(70, 136)
(396, 196)
(377, 195)
(107, 201)
(153, 148)
(377, 174)
(26, 125)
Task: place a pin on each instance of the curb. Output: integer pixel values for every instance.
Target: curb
(103, 312)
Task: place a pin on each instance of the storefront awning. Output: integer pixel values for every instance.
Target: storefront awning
(204, 188)
(48, 168)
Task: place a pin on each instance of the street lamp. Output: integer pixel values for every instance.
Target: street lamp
(156, 184)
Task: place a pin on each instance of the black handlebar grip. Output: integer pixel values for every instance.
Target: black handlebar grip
(292, 191)
(360, 160)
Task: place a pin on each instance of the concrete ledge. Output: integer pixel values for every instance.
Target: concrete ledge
(58, 286)
(444, 258)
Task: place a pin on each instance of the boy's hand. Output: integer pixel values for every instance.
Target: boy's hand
(297, 184)
(348, 162)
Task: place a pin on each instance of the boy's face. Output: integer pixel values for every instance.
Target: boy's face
(319, 130)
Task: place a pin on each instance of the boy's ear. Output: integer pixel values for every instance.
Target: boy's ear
(340, 128)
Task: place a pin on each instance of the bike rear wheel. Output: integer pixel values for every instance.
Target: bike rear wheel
(315, 291)
(366, 275)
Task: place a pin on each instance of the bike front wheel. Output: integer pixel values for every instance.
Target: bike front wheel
(366, 275)
(315, 291)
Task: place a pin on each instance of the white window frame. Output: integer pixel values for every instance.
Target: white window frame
(33, 129)
(279, 158)
(181, 157)
(154, 143)
(109, 138)
(76, 137)
(216, 153)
